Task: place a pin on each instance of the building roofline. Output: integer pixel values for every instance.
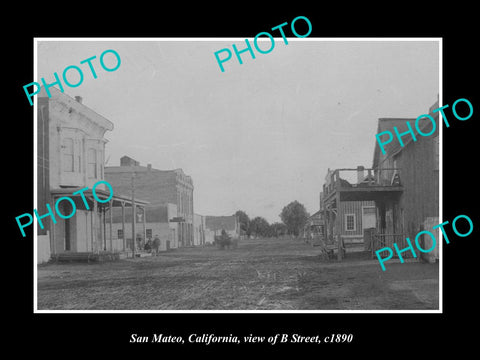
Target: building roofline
(136, 168)
(79, 107)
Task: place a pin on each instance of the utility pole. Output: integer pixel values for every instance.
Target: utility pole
(133, 213)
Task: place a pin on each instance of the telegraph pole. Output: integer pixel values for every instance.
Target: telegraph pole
(133, 214)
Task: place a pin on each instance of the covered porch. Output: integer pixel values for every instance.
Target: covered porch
(84, 235)
(383, 187)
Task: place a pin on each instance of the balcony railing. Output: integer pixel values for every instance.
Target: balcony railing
(361, 178)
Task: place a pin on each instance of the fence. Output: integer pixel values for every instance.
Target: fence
(387, 240)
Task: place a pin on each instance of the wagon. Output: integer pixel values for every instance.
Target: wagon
(225, 241)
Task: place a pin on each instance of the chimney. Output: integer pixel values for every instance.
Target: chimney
(79, 99)
(360, 175)
(149, 167)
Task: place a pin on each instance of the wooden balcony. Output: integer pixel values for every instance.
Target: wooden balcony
(362, 184)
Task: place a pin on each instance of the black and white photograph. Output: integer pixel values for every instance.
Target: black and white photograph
(226, 180)
(262, 187)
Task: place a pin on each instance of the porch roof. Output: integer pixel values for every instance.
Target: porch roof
(374, 192)
(117, 199)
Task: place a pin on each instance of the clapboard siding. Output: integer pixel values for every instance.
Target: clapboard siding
(419, 177)
(353, 207)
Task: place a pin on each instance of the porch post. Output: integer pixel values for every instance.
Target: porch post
(133, 214)
(94, 227)
(145, 224)
(53, 245)
(123, 224)
(338, 226)
(111, 221)
(104, 229)
(91, 231)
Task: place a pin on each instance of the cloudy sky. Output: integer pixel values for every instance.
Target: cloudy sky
(260, 134)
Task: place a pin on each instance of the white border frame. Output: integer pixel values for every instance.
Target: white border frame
(307, 39)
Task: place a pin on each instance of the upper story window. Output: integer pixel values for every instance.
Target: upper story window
(92, 163)
(67, 161)
(79, 155)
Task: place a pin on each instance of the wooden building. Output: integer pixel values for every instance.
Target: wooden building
(402, 185)
(418, 162)
(349, 206)
(315, 226)
(71, 157)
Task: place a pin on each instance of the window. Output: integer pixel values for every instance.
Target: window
(436, 151)
(350, 222)
(67, 146)
(149, 233)
(120, 233)
(92, 163)
(78, 152)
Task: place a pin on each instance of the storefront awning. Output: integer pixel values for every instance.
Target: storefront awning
(117, 200)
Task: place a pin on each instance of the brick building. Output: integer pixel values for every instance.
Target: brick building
(170, 194)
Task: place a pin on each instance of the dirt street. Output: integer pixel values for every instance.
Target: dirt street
(262, 274)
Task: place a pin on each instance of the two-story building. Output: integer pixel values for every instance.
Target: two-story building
(416, 165)
(70, 157)
(400, 192)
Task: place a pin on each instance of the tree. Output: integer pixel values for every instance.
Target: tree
(294, 216)
(259, 226)
(278, 229)
(244, 221)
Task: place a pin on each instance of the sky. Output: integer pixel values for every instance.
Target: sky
(262, 133)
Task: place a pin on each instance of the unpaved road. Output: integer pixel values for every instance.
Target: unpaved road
(262, 274)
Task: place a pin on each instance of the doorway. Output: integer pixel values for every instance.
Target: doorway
(369, 217)
(67, 225)
(67, 235)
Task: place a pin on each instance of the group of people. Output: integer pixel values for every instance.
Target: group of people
(152, 246)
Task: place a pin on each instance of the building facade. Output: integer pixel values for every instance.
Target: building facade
(151, 222)
(417, 164)
(198, 230)
(403, 186)
(215, 224)
(70, 157)
(163, 189)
